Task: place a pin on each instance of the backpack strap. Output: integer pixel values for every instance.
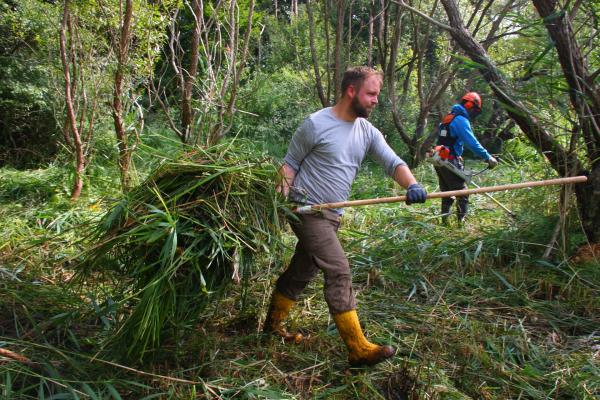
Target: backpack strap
(445, 137)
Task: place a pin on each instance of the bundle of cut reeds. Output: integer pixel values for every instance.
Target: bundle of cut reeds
(174, 242)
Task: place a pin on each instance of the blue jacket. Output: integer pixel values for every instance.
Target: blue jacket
(460, 127)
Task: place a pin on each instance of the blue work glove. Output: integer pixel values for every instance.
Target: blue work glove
(415, 194)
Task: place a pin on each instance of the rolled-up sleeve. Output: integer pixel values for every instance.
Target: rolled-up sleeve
(301, 144)
(383, 153)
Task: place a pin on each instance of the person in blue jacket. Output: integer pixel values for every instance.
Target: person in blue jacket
(454, 133)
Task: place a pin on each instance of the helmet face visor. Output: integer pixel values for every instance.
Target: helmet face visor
(474, 110)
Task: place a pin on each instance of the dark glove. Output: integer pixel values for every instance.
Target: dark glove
(416, 194)
(492, 162)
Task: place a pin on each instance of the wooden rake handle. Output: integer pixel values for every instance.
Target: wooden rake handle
(436, 195)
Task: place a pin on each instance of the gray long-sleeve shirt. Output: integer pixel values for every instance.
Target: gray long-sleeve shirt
(326, 152)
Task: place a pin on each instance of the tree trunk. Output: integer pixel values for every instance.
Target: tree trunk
(313, 53)
(234, 74)
(71, 121)
(390, 79)
(216, 132)
(429, 93)
(124, 153)
(370, 48)
(382, 35)
(588, 202)
(339, 46)
(349, 34)
(584, 95)
(187, 114)
(327, 48)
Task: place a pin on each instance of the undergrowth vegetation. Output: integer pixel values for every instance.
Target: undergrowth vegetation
(479, 311)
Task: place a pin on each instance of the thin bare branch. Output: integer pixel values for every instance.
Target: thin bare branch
(425, 16)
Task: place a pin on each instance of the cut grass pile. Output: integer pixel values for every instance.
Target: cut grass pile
(173, 243)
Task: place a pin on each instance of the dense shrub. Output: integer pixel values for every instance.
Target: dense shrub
(279, 103)
(28, 127)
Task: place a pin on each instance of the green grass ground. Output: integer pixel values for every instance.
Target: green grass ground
(476, 311)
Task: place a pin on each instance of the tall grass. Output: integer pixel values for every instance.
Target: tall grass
(477, 311)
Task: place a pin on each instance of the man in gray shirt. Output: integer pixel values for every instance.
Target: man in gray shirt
(320, 166)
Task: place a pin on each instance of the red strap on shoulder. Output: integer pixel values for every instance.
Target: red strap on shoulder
(448, 118)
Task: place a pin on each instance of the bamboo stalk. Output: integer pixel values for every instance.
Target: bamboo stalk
(436, 195)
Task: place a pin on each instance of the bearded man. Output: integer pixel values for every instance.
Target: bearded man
(322, 161)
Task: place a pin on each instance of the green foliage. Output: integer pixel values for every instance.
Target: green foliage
(519, 150)
(278, 103)
(32, 89)
(174, 242)
(477, 311)
(28, 130)
(286, 45)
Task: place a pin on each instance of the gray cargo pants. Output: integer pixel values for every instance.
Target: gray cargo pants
(318, 248)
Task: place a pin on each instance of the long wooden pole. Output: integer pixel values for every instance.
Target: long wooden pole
(436, 195)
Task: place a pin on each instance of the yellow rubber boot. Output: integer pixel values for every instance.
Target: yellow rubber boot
(278, 312)
(360, 350)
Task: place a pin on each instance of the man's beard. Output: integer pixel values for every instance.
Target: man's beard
(360, 110)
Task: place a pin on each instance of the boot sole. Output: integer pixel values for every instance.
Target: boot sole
(385, 353)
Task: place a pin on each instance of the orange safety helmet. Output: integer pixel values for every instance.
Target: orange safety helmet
(474, 99)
